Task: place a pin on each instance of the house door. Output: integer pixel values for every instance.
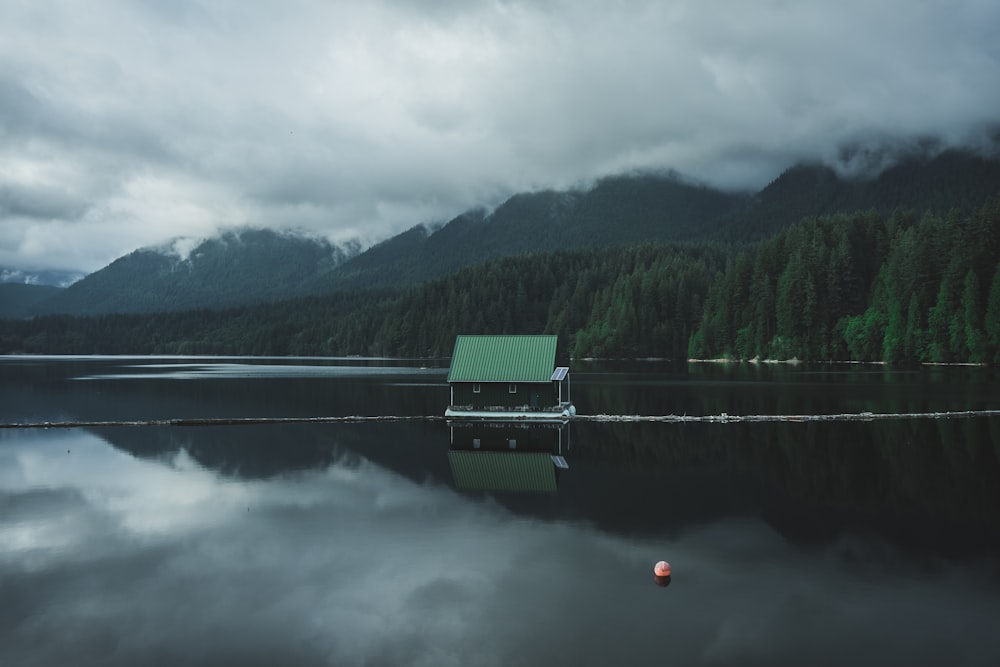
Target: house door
(535, 399)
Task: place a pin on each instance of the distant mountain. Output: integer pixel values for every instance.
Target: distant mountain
(952, 179)
(259, 265)
(629, 209)
(19, 299)
(236, 268)
(52, 277)
(620, 210)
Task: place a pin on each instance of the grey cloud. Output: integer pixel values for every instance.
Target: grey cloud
(40, 202)
(368, 118)
(18, 108)
(26, 116)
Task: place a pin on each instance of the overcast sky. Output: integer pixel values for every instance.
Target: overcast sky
(125, 124)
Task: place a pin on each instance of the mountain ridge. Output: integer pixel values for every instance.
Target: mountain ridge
(238, 267)
(616, 210)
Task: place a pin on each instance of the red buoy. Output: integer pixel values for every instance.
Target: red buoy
(662, 569)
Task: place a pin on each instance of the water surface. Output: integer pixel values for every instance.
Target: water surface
(361, 544)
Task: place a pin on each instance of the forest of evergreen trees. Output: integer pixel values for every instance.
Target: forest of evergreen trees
(900, 288)
(863, 287)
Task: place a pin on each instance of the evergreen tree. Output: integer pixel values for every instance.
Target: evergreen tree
(992, 318)
(972, 314)
(940, 324)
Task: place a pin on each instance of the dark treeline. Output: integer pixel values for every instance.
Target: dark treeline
(341, 323)
(864, 287)
(868, 286)
(641, 300)
(638, 300)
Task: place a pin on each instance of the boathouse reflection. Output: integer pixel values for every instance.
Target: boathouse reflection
(508, 456)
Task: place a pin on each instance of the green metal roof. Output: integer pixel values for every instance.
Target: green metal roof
(503, 359)
(503, 471)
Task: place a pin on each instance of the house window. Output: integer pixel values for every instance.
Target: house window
(477, 388)
(475, 443)
(512, 443)
(512, 388)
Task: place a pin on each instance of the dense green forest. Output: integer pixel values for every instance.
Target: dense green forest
(863, 287)
(867, 286)
(635, 300)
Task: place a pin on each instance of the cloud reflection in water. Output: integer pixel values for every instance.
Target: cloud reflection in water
(113, 560)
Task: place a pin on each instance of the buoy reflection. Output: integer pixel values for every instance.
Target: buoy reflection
(662, 582)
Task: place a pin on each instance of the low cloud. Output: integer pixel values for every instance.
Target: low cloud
(125, 124)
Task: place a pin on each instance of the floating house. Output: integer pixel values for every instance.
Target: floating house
(508, 377)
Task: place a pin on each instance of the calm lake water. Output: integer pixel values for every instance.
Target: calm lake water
(861, 543)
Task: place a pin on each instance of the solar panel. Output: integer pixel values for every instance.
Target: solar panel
(559, 374)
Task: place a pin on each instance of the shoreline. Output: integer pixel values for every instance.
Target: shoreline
(796, 362)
